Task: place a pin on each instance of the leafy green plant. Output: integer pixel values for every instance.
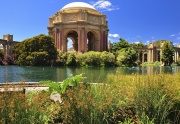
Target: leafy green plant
(62, 87)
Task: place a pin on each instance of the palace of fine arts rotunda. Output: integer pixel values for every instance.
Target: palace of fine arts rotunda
(83, 24)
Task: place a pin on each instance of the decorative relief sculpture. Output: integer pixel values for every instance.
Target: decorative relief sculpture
(93, 19)
(70, 17)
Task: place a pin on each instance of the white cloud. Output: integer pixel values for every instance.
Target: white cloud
(147, 41)
(172, 35)
(104, 5)
(114, 35)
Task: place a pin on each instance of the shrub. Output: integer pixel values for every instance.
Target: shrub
(107, 59)
(71, 59)
(89, 59)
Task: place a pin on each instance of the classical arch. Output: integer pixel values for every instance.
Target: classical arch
(83, 24)
(92, 41)
(73, 35)
(7, 44)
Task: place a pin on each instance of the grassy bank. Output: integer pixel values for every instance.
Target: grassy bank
(147, 99)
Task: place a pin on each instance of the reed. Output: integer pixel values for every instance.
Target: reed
(123, 99)
(16, 107)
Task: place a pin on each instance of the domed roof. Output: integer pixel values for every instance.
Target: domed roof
(78, 5)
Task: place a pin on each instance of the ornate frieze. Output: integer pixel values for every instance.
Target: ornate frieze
(93, 19)
(70, 17)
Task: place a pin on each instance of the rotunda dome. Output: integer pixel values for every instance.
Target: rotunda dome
(78, 5)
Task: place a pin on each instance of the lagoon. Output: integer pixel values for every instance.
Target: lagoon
(92, 74)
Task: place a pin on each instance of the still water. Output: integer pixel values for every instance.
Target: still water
(93, 74)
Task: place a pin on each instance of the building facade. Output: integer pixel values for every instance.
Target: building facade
(7, 44)
(153, 53)
(83, 24)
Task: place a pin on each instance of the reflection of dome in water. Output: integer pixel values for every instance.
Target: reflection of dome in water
(78, 5)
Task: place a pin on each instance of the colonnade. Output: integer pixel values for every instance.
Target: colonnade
(80, 37)
(8, 43)
(153, 55)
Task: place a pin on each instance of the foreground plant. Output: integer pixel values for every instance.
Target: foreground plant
(16, 107)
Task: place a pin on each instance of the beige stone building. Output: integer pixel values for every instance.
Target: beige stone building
(153, 53)
(83, 24)
(7, 43)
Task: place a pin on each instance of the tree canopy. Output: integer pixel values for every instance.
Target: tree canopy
(38, 50)
(119, 45)
(126, 57)
(167, 53)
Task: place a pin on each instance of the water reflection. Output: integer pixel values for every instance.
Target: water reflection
(93, 74)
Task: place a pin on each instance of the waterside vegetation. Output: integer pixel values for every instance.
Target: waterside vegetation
(123, 99)
(41, 51)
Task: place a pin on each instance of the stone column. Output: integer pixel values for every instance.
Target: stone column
(55, 38)
(152, 55)
(101, 41)
(143, 57)
(60, 39)
(161, 56)
(149, 58)
(79, 41)
(104, 41)
(4, 48)
(175, 56)
(7, 49)
(83, 39)
(139, 56)
(64, 45)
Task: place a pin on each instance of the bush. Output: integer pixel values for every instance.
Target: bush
(89, 59)
(107, 59)
(126, 57)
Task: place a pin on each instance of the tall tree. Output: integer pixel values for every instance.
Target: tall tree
(167, 53)
(119, 45)
(39, 50)
(126, 57)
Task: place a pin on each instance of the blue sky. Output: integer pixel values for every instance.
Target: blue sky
(133, 20)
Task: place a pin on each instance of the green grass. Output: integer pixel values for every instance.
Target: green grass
(121, 99)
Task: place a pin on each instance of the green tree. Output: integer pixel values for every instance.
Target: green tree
(126, 57)
(119, 45)
(167, 53)
(38, 50)
(138, 45)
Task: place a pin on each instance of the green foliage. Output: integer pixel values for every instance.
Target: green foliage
(126, 57)
(119, 45)
(71, 60)
(107, 59)
(159, 42)
(138, 45)
(157, 63)
(62, 87)
(31, 108)
(123, 99)
(96, 59)
(89, 59)
(39, 50)
(167, 53)
(66, 59)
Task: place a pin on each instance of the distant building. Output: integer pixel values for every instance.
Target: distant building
(153, 53)
(83, 24)
(7, 43)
